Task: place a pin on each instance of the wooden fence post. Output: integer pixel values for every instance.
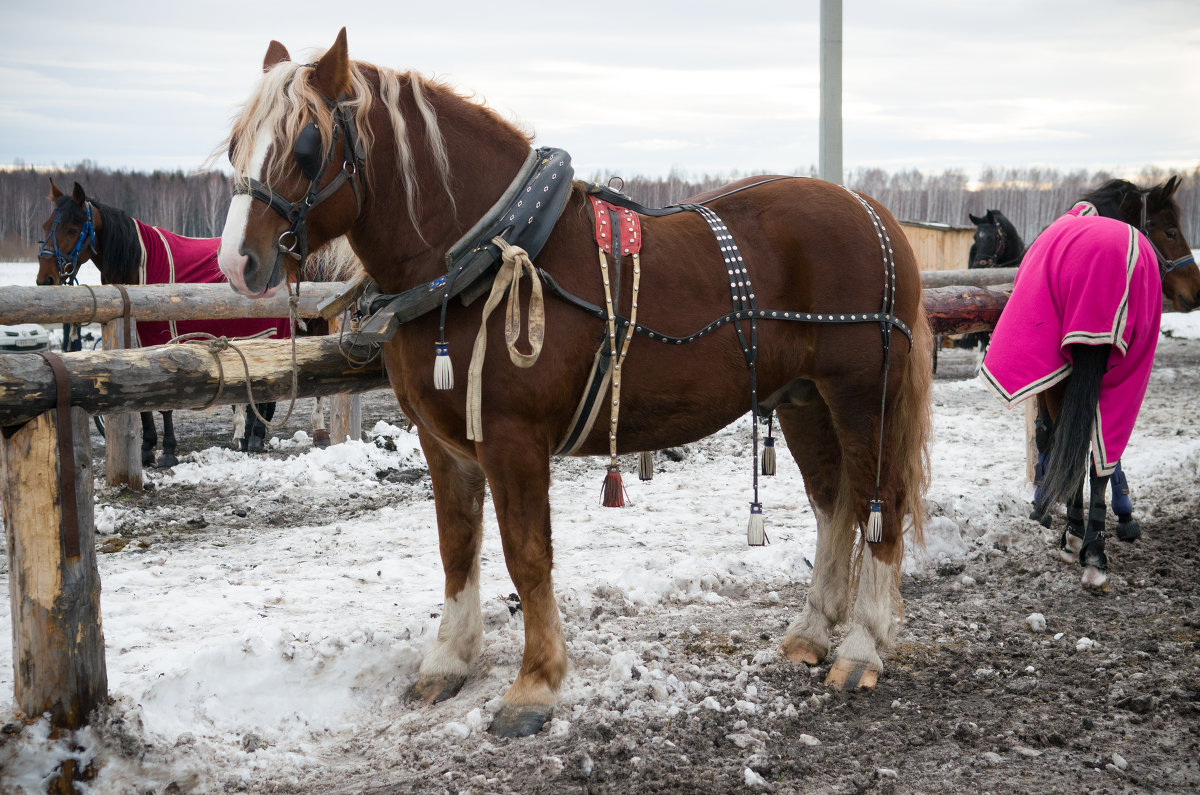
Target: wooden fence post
(345, 411)
(1031, 452)
(122, 432)
(58, 643)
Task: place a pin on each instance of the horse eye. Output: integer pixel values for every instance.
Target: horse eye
(307, 151)
(1172, 234)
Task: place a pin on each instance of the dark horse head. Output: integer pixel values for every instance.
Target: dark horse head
(1155, 214)
(997, 243)
(76, 232)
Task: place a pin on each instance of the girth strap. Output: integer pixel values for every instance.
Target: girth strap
(66, 454)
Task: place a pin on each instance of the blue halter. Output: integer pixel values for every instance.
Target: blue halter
(68, 264)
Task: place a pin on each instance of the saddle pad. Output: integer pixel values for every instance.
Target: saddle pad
(194, 261)
(1091, 280)
(624, 230)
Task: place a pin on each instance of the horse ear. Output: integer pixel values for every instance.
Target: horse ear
(1172, 185)
(78, 195)
(276, 53)
(332, 75)
(55, 192)
(975, 220)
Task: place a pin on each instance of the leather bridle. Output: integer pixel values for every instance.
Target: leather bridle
(68, 264)
(293, 242)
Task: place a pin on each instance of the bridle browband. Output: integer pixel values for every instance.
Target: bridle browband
(293, 242)
(1165, 265)
(68, 264)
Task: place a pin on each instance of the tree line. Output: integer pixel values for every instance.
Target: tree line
(195, 204)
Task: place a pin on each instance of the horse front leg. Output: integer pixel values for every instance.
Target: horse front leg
(320, 433)
(149, 438)
(519, 475)
(168, 459)
(458, 493)
(1128, 528)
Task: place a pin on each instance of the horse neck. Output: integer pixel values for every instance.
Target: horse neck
(118, 255)
(484, 155)
(1016, 247)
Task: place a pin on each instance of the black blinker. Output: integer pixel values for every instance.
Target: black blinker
(308, 151)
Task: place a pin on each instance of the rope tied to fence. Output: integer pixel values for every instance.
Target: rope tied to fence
(218, 344)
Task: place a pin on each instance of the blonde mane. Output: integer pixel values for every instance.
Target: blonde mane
(284, 101)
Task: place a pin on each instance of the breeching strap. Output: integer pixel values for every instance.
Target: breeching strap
(66, 454)
(508, 280)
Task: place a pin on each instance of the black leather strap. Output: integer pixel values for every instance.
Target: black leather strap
(66, 454)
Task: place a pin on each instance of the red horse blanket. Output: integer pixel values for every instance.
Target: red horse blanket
(174, 259)
(1090, 280)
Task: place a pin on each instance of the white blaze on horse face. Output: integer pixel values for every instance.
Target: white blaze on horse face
(230, 256)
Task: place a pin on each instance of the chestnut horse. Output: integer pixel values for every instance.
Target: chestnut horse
(405, 167)
(1079, 332)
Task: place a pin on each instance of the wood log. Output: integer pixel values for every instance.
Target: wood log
(975, 277)
(153, 302)
(185, 376)
(122, 432)
(58, 643)
(959, 310)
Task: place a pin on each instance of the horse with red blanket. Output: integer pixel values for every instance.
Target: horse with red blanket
(1080, 331)
(127, 251)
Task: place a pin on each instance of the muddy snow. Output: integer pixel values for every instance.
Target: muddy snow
(264, 615)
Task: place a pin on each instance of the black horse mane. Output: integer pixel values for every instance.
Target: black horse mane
(120, 248)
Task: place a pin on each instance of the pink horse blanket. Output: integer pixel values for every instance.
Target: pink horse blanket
(1091, 280)
(174, 259)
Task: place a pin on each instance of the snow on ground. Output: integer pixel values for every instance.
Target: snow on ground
(297, 637)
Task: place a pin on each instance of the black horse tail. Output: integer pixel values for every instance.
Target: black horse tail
(1067, 465)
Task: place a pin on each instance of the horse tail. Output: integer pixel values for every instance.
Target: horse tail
(909, 426)
(1067, 463)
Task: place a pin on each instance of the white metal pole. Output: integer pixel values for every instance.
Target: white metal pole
(829, 163)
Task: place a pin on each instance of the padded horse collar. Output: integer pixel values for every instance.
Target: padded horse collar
(524, 215)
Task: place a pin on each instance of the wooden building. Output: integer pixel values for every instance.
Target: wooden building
(939, 247)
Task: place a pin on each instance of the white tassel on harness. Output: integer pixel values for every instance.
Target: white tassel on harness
(443, 371)
(875, 523)
(756, 530)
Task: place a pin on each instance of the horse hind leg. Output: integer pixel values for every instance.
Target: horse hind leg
(458, 490)
(239, 427)
(1091, 553)
(1071, 540)
(808, 430)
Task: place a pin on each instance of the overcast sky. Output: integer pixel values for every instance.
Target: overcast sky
(638, 88)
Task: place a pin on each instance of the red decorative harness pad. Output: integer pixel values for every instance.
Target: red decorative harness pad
(628, 231)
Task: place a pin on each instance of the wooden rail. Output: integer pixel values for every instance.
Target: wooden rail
(102, 303)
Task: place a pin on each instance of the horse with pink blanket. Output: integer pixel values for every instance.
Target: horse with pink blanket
(1080, 332)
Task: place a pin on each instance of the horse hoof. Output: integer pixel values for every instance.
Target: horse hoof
(1041, 518)
(434, 689)
(255, 445)
(851, 675)
(1094, 579)
(523, 721)
(321, 438)
(148, 459)
(1129, 530)
(167, 460)
(801, 652)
